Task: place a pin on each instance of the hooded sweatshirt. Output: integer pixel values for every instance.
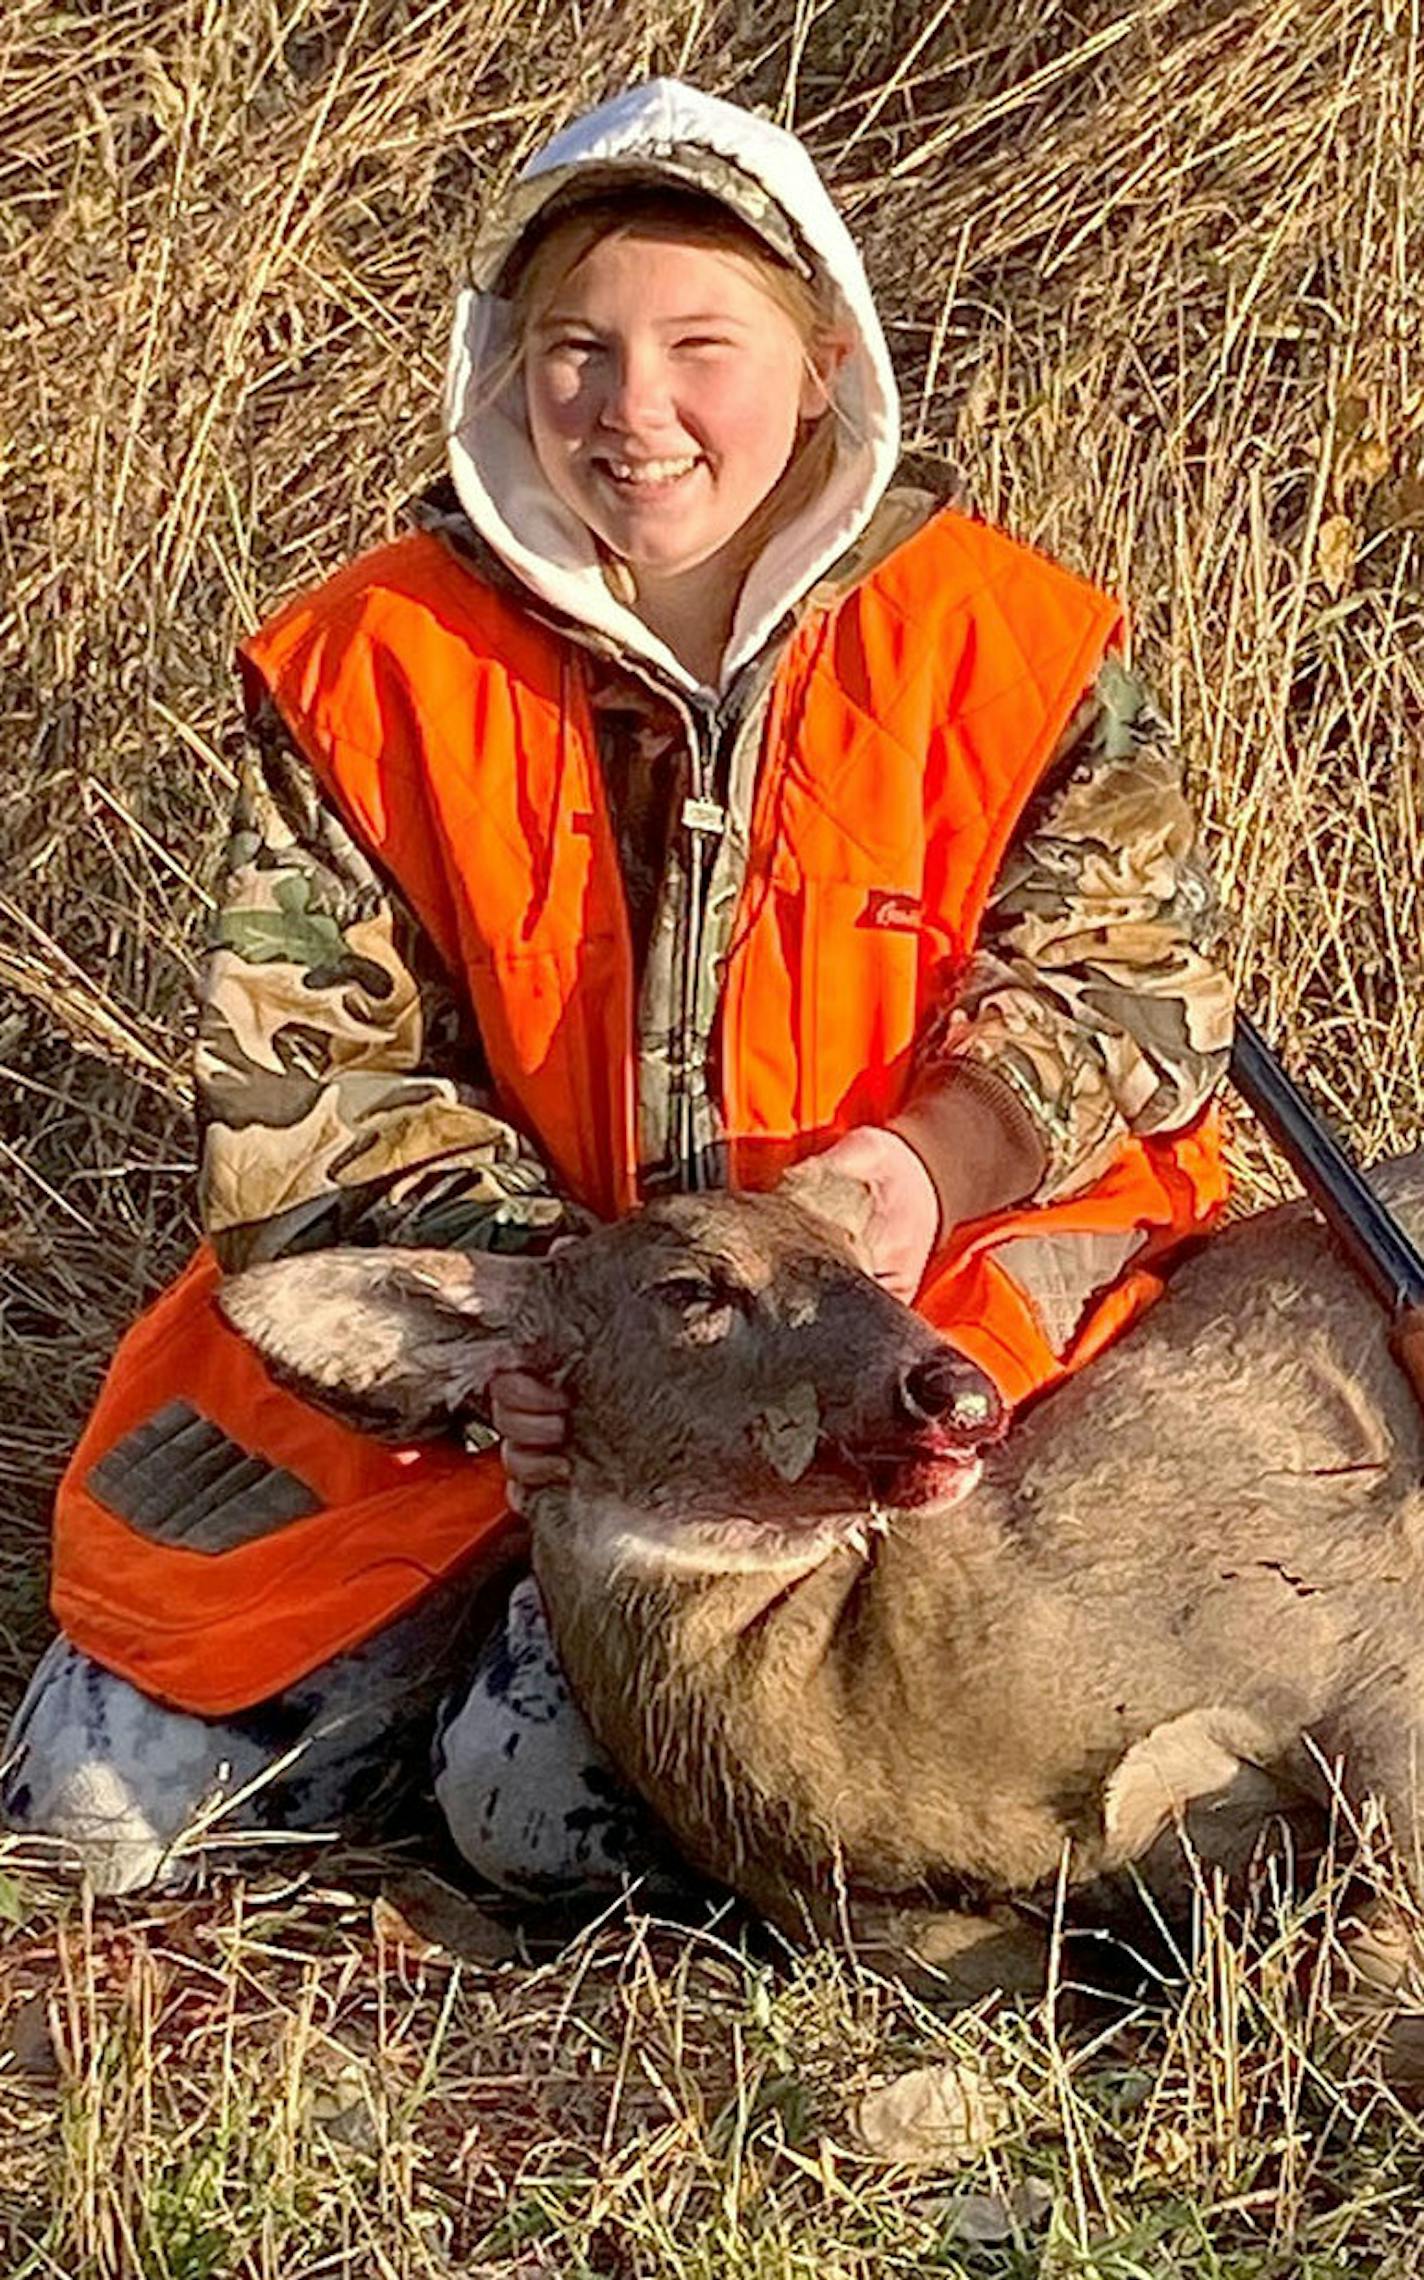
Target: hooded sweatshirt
(380, 1125)
(670, 134)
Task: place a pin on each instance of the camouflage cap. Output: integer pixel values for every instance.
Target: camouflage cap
(537, 201)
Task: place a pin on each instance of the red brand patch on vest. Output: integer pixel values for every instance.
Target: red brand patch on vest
(891, 906)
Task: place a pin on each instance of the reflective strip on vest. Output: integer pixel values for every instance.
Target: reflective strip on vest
(214, 1633)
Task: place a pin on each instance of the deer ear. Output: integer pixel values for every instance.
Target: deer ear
(830, 1195)
(397, 1341)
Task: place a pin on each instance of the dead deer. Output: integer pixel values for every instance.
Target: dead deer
(867, 1654)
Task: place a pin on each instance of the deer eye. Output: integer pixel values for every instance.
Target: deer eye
(702, 1312)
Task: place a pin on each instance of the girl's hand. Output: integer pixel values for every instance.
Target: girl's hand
(899, 1224)
(531, 1419)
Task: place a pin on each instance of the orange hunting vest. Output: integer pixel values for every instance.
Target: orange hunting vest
(908, 722)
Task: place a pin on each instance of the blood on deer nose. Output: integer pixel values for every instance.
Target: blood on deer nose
(949, 1389)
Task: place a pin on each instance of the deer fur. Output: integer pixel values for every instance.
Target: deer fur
(862, 1650)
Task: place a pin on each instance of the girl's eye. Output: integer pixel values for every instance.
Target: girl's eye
(704, 340)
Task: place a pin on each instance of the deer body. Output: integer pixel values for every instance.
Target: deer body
(1183, 1587)
(949, 1697)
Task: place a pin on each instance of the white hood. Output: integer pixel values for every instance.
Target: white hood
(670, 131)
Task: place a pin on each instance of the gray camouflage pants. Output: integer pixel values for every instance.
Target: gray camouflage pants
(134, 1789)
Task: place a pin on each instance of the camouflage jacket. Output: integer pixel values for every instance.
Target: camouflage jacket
(342, 1089)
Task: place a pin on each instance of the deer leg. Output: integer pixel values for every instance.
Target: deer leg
(950, 1955)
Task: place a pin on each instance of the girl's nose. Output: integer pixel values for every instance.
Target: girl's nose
(635, 390)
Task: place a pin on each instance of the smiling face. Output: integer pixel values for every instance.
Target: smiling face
(665, 388)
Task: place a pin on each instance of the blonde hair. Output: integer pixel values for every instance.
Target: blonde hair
(550, 254)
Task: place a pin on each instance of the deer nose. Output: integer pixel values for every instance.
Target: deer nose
(949, 1389)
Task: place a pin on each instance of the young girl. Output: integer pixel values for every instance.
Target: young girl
(681, 803)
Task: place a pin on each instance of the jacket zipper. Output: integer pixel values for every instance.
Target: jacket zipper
(715, 755)
(703, 819)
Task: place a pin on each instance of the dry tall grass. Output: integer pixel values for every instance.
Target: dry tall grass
(1153, 278)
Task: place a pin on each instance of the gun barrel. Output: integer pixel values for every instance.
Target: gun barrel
(1377, 1246)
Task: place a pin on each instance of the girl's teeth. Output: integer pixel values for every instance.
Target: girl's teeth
(650, 470)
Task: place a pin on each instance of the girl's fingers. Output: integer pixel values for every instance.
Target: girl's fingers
(531, 1419)
(529, 1428)
(526, 1470)
(533, 1468)
(518, 1389)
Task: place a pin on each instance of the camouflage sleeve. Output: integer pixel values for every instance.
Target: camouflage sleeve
(1092, 993)
(342, 1092)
